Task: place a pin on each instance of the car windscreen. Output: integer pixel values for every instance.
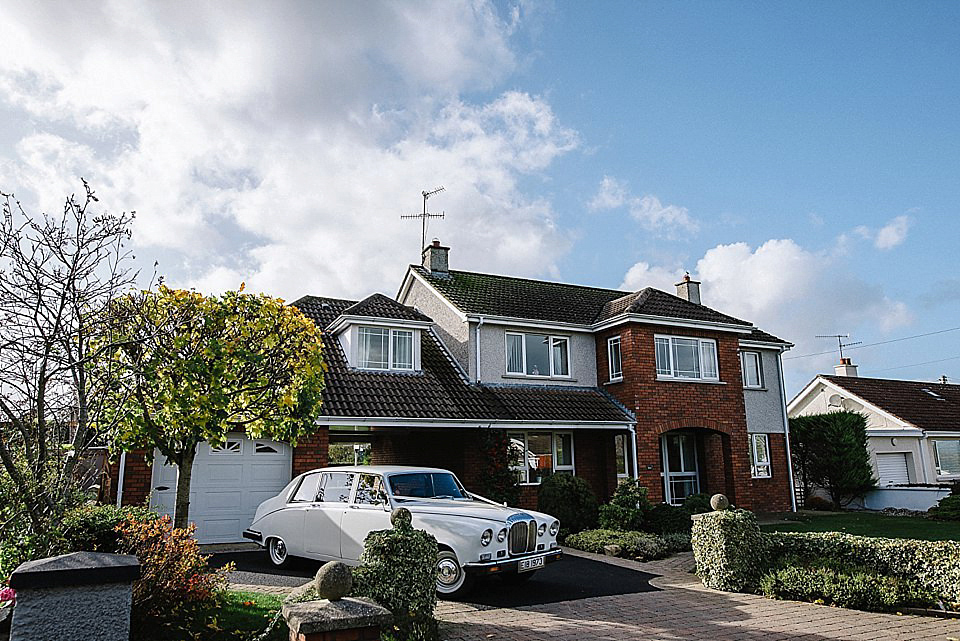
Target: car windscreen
(426, 485)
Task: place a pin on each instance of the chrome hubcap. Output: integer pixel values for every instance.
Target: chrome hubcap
(447, 571)
(279, 550)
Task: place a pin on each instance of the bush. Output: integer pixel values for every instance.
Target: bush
(638, 545)
(728, 548)
(398, 570)
(176, 585)
(697, 504)
(569, 499)
(665, 519)
(95, 527)
(19, 546)
(817, 503)
(947, 509)
(844, 586)
(935, 565)
(497, 481)
(676, 542)
(627, 508)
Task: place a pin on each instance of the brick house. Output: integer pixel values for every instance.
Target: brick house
(599, 383)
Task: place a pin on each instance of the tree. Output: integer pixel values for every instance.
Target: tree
(830, 451)
(193, 368)
(58, 277)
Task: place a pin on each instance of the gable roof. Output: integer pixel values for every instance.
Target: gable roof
(493, 295)
(379, 306)
(760, 336)
(929, 406)
(439, 390)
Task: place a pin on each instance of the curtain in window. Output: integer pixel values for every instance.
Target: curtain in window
(663, 357)
(708, 354)
(560, 365)
(613, 354)
(539, 456)
(374, 348)
(686, 358)
(751, 369)
(514, 354)
(402, 349)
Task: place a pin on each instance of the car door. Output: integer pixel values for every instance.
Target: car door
(369, 510)
(321, 525)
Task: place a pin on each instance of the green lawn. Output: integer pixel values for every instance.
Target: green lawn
(248, 612)
(868, 524)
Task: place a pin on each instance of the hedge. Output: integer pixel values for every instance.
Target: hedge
(637, 545)
(728, 548)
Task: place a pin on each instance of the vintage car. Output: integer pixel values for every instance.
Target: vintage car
(326, 514)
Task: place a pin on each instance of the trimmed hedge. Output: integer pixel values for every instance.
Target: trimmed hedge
(935, 565)
(728, 548)
(947, 508)
(638, 545)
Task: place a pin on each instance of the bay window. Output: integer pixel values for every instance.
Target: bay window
(686, 358)
(759, 456)
(536, 455)
(383, 348)
(538, 355)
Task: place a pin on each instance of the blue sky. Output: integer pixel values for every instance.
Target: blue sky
(800, 159)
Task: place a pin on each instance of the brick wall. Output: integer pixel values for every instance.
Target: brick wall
(312, 452)
(137, 478)
(715, 411)
(776, 489)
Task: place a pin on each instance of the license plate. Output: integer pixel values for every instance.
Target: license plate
(526, 565)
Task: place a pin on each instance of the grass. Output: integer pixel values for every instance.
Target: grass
(248, 613)
(868, 524)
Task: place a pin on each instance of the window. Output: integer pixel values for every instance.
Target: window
(264, 447)
(681, 466)
(622, 447)
(536, 455)
(759, 456)
(686, 358)
(382, 348)
(946, 455)
(538, 355)
(427, 485)
(307, 490)
(336, 487)
(613, 358)
(752, 369)
(370, 490)
(231, 446)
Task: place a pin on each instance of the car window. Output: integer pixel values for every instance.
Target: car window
(426, 485)
(370, 490)
(336, 487)
(307, 490)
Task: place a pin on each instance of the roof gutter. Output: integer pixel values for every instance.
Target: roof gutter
(426, 423)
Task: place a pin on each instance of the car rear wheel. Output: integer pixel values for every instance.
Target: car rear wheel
(277, 550)
(452, 580)
(517, 578)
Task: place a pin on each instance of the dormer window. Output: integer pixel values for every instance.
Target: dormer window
(538, 355)
(384, 348)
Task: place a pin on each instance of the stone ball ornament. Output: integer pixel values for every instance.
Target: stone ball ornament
(719, 502)
(401, 518)
(333, 581)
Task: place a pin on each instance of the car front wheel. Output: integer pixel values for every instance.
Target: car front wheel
(452, 580)
(278, 553)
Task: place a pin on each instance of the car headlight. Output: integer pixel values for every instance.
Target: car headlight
(502, 535)
(542, 529)
(554, 528)
(486, 537)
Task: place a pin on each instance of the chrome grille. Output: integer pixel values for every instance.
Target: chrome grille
(522, 537)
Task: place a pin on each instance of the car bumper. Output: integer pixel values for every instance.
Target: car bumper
(507, 566)
(253, 535)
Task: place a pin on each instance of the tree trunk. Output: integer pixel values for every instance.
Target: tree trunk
(184, 474)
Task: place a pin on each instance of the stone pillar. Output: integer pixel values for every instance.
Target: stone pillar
(348, 619)
(83, 595)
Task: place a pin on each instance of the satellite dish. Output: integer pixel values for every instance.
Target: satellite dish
(835, 400)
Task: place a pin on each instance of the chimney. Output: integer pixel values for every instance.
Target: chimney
(845, 368)
(689, 289)
(435, 257)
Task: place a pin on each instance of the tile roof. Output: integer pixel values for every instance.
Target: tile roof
(379, 306)
(477, 293)
(929, 406)
(761, 336)
(440, 389)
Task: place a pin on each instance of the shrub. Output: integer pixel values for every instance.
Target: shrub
(697, 504)
(935, 565)
(728, 549)
(665, 519)
(175, 584)
(639, 545)
(569, 499)
(95, 527)
(947, 509)
(676, 542)
(844, 586)
(398, 570)
(627, 508)
(817, 503)
(19, 546)
(497, 481)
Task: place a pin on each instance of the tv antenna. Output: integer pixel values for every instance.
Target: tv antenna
(840, 343)
(424, 216)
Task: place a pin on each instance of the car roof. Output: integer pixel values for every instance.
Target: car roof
(379, 469)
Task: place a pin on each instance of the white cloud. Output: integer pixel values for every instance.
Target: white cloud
(280, 145)
(668, 220)
(644, 274)
(888, 236)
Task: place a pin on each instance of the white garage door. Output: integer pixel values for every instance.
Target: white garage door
(892, 469)
(227, 486)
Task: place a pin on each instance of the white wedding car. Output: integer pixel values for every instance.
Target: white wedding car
(326, 514)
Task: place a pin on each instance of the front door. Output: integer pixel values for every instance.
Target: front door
(324, 518)
(680, 466)
(370, 510)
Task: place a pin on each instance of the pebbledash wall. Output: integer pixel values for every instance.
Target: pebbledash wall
(715, 410)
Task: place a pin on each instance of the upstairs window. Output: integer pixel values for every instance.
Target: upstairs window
(686, 358)
(613, 358)
(382, 348)
(752, 368)
(538, 355)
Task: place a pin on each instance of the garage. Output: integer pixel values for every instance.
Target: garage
(228, 484)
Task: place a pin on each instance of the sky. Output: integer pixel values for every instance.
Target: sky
(800, 159)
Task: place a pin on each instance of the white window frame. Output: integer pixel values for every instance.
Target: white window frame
(743, 369)
(525, 470)
(523, 348)
(672, 376)
(223, 450)
(757, 466)
(391, 361)
(615, 374)
(951, 474)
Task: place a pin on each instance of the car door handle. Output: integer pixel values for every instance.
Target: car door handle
(161, 488)
(354, 507)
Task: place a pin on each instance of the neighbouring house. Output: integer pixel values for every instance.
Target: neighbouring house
(599, 383)
(913, 432)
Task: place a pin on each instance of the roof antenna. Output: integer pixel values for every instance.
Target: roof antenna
(840, 342)
(425, 216)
